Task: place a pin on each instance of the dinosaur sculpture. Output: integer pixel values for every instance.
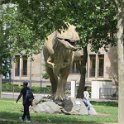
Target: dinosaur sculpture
(58, 53)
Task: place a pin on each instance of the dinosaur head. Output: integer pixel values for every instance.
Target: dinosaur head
(69, 37)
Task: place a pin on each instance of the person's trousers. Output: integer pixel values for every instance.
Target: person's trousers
(26, 112)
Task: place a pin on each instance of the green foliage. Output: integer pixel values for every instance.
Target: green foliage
(20, 35)
(7, 87)
(46, 90)
(16, 88)
(10, 87)
(45, 75)
(5, 57)
(114, 104)
(95, 20)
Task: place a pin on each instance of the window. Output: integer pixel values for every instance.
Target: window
(92, 65)
(101, 65)
(75, 68)
(24, 68)
(17, 65)
(96, 66)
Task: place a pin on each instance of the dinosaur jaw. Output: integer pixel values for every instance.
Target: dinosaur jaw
(69, 44)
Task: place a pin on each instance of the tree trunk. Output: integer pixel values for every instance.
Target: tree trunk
(120, 44)
(82, 69)
(0, 85)
(121, 69)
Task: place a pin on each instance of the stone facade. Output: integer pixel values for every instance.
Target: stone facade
(109, 65)
(100, 66)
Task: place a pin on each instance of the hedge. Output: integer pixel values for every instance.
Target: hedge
(9, 87)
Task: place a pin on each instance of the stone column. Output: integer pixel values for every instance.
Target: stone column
(12, 70)
(88, 67)
(96, 69)
(21, 67)
(73, 89)
(30, 83)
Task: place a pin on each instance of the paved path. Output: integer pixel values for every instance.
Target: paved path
(14, 95)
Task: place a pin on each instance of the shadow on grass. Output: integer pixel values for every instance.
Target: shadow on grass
(61, 119)
(12, 118)
(9, 118)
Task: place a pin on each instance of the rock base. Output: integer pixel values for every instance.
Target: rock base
(70, 106)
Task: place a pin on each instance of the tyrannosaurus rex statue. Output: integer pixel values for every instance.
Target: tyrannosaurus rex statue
(58, 53)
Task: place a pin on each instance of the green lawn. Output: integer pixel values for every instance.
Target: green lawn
(10, 112)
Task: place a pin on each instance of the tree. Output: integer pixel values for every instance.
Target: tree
(95, 22)
(120, 39)
(5, 57)
(16, 37)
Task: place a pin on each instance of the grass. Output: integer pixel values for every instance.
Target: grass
(10, 111)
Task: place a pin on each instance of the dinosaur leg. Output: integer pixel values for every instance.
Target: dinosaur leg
(60, 92)
(53, 80)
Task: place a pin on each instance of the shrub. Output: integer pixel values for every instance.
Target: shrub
(45, 75)
(7, 87)
(16, 88)
(41, 89)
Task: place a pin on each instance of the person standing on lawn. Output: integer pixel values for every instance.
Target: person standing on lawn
(26, 102)
(86, 99)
